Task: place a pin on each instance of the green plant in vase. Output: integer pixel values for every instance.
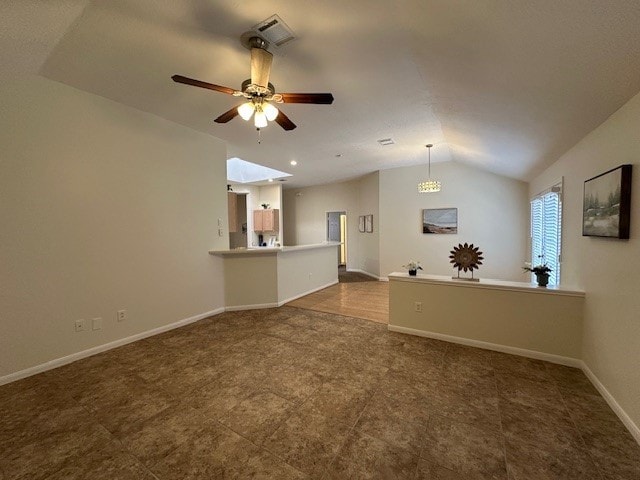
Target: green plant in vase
(541, 272)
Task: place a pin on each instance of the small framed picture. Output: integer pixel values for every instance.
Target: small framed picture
(361, 223)
(368, 223)
(606, 206)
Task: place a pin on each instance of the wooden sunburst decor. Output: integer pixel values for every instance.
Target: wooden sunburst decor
(466, 257)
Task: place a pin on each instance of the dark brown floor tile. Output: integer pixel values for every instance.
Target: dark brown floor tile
(464, 404)
(308, 441)
(257, 416)
(571, 379)
(153, 439)
(528, 368)
(398, 421)
(543, 462)
(476, 357)
(430, 471)
(592, 415)
(539, 426)
(464, 448)
(474, 377)
(107, 464)
(292, 382)
(365, 457)
(529, 392)
(25, 424)
(215, 398)
(126, 404)
(338, 400)
(45, 455)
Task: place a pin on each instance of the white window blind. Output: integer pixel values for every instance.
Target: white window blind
(546, 235)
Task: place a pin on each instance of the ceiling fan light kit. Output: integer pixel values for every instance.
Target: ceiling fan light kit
(429, 186)
(258, 91)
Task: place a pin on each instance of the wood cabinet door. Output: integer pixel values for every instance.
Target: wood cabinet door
(267, 220)
(258, 221)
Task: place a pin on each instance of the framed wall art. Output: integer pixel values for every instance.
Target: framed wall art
(606, 205)
(440, 220)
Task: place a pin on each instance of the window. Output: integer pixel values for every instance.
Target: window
(546, 235)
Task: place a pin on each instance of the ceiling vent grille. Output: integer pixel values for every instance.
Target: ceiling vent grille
(386, 141)
(274, 31)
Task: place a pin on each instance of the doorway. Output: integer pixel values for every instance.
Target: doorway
(337, 232)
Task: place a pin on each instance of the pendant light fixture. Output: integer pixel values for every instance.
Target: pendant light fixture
(429, 186)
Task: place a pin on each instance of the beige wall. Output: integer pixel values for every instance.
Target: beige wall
(305, 218)
(305, 214)
(102, 208)
(608, 270)
(367, 255)
(493, 214)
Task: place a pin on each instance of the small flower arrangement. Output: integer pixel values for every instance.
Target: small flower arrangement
(265, 205)
(412, 265)
(542, 269)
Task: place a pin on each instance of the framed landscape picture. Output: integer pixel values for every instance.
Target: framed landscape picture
(440, 220)
(606, 206)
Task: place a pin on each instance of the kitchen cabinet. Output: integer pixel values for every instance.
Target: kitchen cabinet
(232, 206)
(266, 220)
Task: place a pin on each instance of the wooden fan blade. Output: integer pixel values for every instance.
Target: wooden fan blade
(201, 84)
(284, 121)
(260, 66)
(318, 98)
(227, 116)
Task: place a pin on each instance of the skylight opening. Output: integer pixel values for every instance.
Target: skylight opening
(241, 171)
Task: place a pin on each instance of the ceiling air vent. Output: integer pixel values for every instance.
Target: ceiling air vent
(386, 141)
(274, 31)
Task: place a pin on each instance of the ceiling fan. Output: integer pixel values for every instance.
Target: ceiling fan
(258, 92)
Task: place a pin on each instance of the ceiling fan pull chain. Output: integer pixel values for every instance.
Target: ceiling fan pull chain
(259, 138)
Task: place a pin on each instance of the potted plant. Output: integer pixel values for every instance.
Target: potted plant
(413, 267)
(541, 272)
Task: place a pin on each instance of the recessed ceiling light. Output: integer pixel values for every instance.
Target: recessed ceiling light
(293, 162)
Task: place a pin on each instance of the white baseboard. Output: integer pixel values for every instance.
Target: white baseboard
(58, 362)
(615, 406)
(548, 357)
(282, 302)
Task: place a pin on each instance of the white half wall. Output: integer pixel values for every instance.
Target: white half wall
(607, 269)
(102, 208)
(493, 214)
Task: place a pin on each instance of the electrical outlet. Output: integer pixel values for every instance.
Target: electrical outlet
(122, 315)
(80, 326)
(220, 232)
(96, 324)
(417, 306)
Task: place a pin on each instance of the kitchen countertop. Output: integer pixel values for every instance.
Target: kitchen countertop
(275, 250)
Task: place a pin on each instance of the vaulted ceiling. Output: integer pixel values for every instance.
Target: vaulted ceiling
(503, 85)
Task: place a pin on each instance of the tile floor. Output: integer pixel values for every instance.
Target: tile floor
(295, 394)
